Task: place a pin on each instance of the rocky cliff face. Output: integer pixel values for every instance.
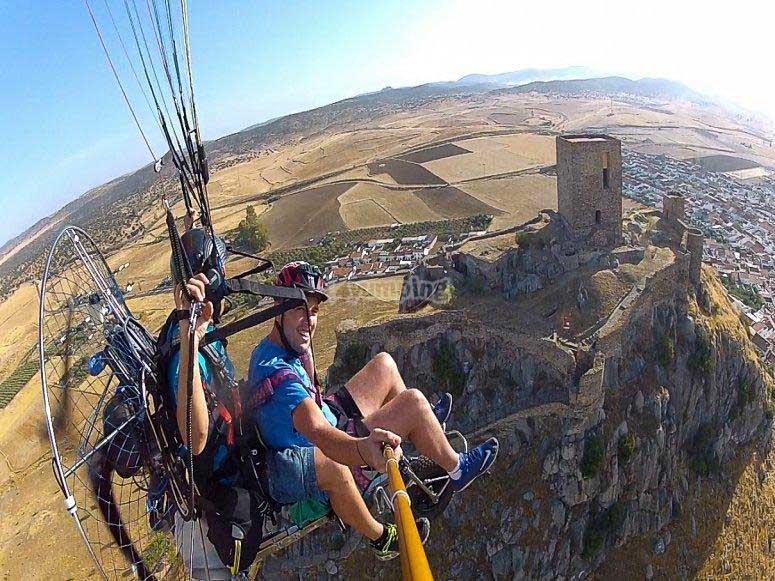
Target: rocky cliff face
(600, 443)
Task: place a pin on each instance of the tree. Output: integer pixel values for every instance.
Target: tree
(252, 234)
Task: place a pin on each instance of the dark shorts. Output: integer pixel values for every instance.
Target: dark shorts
(349, 418)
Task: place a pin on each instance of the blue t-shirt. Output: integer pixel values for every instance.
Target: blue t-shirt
(275, 418)
(206, 375)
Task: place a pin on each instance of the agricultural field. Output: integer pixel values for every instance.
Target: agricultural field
(450, 202)
(18, 328)
(294, 219)
(404, 172)
(18, 378)
(366, 205)
(434, 153)
(724, 163)
(516, 119)
(517, 198)
(501, 154)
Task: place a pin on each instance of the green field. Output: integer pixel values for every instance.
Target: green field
(17, 380)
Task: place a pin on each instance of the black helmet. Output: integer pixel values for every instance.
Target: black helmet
(198, 248)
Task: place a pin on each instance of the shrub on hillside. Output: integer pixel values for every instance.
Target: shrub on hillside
(625, 449)
(702, 457)
(445, 296)
(601, 526)
(745, 393)
(594, 454)
(747, 294)
(251, 234)
(446, 369)
(700, 362)
(665, 351)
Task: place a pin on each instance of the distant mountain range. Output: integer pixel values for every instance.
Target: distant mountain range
(526, 76)
(568, 80)
(651, 88)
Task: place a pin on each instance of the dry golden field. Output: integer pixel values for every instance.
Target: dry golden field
(520, 198)
(369, 204)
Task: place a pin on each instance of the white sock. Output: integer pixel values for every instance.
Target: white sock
(456, 472)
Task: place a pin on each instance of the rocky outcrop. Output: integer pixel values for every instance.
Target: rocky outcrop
(424, 284)
(541, 251)
(490, 372)
(600, 443)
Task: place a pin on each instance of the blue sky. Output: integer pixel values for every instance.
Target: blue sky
(65, 127)
(68, 128)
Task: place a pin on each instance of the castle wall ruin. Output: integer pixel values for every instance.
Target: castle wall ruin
(674, 214)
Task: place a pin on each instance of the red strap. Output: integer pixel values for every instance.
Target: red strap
(224, 413)
(236, 401)
(266, 387)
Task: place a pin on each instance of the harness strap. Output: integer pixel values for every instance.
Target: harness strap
(309, 367)
(236, 400)
(265, 390)
(243, 285)
(223, 411)
(251, 320)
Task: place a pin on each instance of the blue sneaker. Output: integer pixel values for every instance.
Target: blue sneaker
(442, 408)
(475, 463)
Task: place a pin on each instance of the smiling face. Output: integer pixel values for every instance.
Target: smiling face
(297, 328)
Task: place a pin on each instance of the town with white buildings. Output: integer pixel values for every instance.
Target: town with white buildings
(381, 257)
(738, 220)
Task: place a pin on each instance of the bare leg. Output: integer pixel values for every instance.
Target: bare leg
(375, 384)
(410, 416)
(337, 480)
(381, 394)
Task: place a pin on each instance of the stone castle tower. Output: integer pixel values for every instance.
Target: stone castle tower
(674, 207)
(691, 239)
(589, 187)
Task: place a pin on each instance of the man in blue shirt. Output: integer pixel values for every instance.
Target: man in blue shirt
(314, 441)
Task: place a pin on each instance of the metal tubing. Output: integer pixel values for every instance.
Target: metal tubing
(414, 563)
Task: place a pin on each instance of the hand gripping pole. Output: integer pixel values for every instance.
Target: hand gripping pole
(414, 563)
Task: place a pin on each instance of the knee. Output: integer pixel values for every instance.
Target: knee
(331, 475)
(415, 399)
(385, 362)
